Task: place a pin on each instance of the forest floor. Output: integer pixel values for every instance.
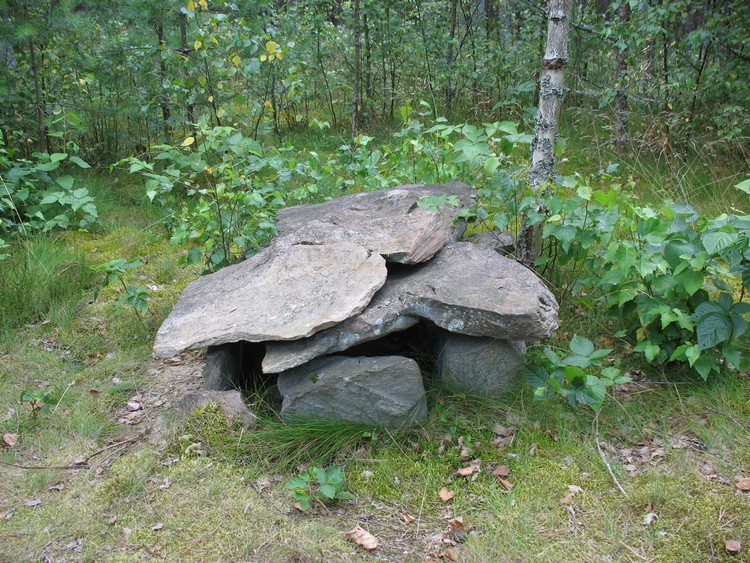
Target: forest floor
(97, 466)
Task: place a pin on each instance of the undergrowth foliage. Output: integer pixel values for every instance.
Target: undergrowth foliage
(39, 195)
(675, 279)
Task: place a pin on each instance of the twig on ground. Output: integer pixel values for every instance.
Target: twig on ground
(634, 552)
(117, 444)
(604, 459)
(85, 462)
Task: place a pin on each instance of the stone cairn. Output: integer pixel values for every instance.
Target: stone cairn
(356, 303)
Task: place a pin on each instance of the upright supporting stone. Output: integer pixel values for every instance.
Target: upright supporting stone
(480, 366)
(384, 390)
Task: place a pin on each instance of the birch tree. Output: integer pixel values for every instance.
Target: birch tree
(542, 169)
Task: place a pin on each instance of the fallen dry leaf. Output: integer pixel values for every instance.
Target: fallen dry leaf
(733, 547)
(457, 525)
(449, 554)
(468, 470)
(501, 471)
(446, 495)
(56, 487)
(10, 440)
(157, 527)
(650, 518)
(743, 484)
(80, 460)
(572, 491)
(32, 502)
(363, 538)
(501, 430)
(505, 483)
(112, 520)
(407, 518)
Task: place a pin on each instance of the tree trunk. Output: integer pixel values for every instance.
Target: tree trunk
(622, 138)
(185, 50)
(449, 58)
(357, 71)
(41, 127)
(542, 169)
(163, 104)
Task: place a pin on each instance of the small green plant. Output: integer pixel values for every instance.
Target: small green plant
(36, 401)
(579, 376)
(135, 297)
(316, 484)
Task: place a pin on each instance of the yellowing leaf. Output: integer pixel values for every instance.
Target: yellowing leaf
(236, 59)
(279, 55)
(188, 141)
(197, 44)
(210, 98)
(191, 6)
(263, 57)
(363, 538)
(204, 4)
(272, 46)
(268, 105)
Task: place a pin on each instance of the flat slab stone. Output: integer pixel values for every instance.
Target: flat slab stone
(384, 390)
(288, 291)
(388, 222)
(465, 289)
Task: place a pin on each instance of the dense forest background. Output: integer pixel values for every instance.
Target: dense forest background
(116, 78)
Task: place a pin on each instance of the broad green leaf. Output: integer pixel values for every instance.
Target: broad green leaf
(713, 329)
(328, 490)
(744, 186)
(79, 162)
(649, 350)
(581, 346)
(58, 156)
(717, 241)
(691, 280)
(65, 182)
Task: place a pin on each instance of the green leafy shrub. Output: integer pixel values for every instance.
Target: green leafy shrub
(135, 297)
(37, 196)
(675, 279)
(579, 376)
(321, 485)
(219, 192)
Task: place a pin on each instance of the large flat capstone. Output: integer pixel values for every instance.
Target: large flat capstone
(290, 290)
(465, 289)
(389, 222)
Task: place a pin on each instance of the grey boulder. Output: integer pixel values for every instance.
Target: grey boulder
(230, 403)
(384, 390)
(480, 366)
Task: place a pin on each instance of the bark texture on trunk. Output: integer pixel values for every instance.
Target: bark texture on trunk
(542, 168)
(357, 71)
(622, 138)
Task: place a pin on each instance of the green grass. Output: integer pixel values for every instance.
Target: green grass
(218, 491)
